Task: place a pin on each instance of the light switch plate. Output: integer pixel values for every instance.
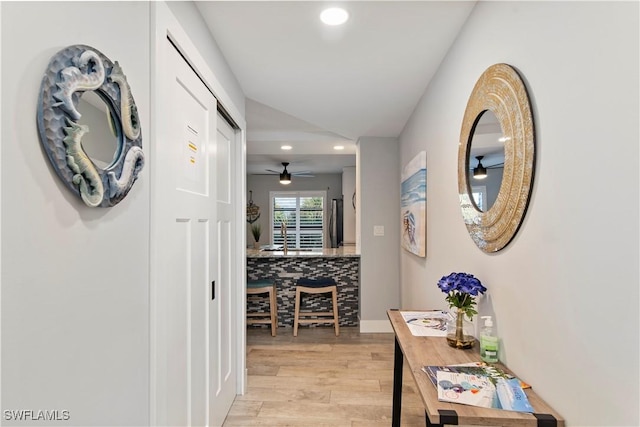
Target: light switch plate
(378, 230)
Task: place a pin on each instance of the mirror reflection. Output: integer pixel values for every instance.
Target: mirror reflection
(485, 161)
(101, 142)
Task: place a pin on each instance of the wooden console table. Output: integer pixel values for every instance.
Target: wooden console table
(425, 351)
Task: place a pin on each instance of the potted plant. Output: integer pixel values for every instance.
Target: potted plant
(461, 290)
(256, 231)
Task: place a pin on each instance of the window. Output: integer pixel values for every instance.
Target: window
(479, 193)
(303, 212)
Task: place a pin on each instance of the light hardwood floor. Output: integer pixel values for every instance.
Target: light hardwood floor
(317, 379)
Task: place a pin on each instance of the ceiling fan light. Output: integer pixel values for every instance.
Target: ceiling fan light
(479, 172)
(285, 178)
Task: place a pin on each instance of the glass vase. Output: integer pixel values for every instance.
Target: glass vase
(460, 331)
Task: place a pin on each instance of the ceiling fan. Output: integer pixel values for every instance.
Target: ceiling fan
(480, 171)
(285, 175)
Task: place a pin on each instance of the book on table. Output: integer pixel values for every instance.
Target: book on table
(479, 385)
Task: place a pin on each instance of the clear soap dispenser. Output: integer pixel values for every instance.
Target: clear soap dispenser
(488, 341)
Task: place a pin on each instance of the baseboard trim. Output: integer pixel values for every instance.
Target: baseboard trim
(375, 326)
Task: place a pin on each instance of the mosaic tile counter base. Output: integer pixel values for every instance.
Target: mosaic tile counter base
(287, 270)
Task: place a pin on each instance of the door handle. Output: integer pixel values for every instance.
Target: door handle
(213, 290)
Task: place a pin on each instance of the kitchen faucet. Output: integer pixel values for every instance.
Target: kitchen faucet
(283, 233)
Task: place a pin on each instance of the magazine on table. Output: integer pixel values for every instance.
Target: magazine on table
(468, 389)
(431, 323)
(479, 385)
(478, 368)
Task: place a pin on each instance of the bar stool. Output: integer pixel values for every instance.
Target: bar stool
(260, 287)
(316, 286)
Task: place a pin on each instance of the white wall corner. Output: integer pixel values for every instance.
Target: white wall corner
(375, 326)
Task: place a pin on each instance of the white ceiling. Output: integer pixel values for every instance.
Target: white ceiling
(313, 86)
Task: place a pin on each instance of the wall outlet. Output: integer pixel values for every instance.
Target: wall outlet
(378, 230)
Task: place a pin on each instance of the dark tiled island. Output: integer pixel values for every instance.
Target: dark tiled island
(342, 264)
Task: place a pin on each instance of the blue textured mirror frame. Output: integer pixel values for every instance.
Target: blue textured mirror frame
(72, 72)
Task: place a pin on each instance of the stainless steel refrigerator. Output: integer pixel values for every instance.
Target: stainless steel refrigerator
(335, 223)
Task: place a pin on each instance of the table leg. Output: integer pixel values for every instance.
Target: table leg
(397, 385)
(428, 423)
(447, 417)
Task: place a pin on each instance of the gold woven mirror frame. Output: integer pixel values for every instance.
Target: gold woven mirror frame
(500, 90)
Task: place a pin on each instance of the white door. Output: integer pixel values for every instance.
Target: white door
(223, 362)
(188, 319)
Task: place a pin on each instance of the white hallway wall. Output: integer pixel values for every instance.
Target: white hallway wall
(378, 204)
(565, 291)
(75, 280)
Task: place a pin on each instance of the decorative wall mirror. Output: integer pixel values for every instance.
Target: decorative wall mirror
(89, 126)
(496, 158)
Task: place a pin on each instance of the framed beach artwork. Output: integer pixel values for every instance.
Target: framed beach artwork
(414, 205)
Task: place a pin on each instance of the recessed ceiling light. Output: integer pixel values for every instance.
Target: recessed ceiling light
(334, 16)
(338, 147)
(286, 147)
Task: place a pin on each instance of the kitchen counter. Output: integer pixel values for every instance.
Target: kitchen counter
(341, 264)
(344, 251)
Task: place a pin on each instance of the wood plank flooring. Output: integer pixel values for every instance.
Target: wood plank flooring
(317, 379)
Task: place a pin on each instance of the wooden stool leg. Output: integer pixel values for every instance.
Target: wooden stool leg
(296, 313)
(334, 295)
(273, 309)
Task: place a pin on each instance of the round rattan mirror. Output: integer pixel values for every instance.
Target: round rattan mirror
(501, 91)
